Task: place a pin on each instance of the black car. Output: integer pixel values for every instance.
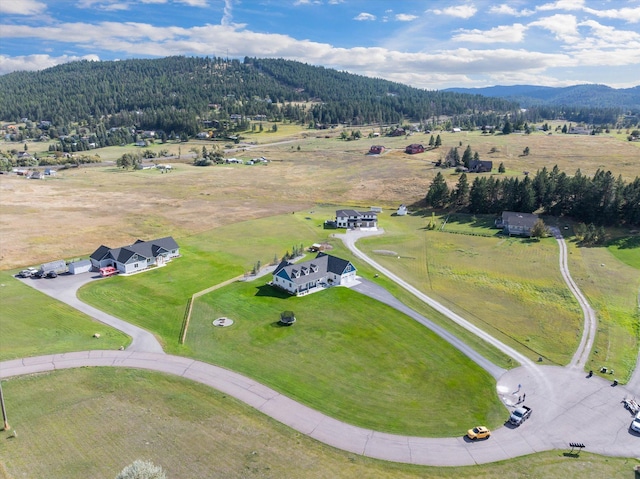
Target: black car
(38, 274)
(52, 274)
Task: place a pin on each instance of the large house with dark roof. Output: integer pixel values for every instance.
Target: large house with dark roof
(136, 257)
(351, 219)
(313, 275)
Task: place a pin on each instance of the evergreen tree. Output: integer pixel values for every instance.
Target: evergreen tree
(438, 141)
(438, 195)
(507, 128)
(467, 156)
(461, 192)
(501, 168)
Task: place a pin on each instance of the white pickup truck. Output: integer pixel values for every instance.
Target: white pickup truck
(520, 415)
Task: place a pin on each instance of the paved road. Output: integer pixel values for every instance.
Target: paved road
(588, 412)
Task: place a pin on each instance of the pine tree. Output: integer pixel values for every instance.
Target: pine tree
(438, 195)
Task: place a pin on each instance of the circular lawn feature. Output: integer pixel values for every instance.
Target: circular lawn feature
(222, 322)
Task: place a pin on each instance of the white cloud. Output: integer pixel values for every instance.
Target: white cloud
(502, 34)
(194, 3)
(37, 62)
(507, 10)
(403, 17)
(22, 7)
(460, 11)
(565, 27)
(566, 5)
(630, 15)
(364, 17)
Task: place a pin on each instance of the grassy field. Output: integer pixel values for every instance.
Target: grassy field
(92, 422)
(510, 287)
(347, 356)
(32, 324)
(612, 288)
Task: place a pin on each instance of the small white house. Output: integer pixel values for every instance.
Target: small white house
(402, 210)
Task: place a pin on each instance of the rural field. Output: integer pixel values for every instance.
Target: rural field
(92, 422)
(226, 218)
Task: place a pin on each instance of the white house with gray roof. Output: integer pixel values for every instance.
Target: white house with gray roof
(313, 275)
(136, 257)
(351, 219)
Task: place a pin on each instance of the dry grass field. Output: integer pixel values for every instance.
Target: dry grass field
(71, 214)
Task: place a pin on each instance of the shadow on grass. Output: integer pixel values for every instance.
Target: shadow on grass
(626, 242)
(571, 454)
(270, 291)
(278, 324)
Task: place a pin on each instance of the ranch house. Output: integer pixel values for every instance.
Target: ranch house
(519, 224)
(351, 219)
(376, 150)
(314, 275)
(414, 148)
(136, 257)
(480, 166)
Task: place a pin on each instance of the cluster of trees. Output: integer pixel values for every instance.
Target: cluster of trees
(601, 199)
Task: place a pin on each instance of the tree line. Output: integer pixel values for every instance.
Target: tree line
(601, 200)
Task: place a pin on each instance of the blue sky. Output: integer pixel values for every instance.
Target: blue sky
(428, 44)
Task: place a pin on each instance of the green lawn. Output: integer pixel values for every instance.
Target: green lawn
(32, 324)
(510, 287)
(346, 355)
(611, 287)
(92, 422)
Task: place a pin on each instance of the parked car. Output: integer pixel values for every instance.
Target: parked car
(27, 273)
(635, 424)
(520, 415)
(478, 432)
(38, 274)
(51, 274)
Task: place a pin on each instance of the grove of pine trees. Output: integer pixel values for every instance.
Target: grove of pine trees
(600, 200)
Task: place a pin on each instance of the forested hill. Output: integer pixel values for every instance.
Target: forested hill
(176, 93)
(591, 96)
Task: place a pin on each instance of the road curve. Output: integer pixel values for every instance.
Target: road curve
(606, 432)
(65, 288)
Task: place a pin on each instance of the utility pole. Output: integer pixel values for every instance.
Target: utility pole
(4, 411)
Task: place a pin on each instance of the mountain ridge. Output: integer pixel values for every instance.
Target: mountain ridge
(580, 95)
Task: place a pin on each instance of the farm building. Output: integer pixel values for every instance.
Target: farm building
(376, 150)
(314, 275)
(351, 219)
(414, 148)
(514, 223)
(83, 266)
(136, 257)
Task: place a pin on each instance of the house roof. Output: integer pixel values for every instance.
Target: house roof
(100, 253)
(342, 213)
(146, 249)
(513, 218)
(311, 270)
